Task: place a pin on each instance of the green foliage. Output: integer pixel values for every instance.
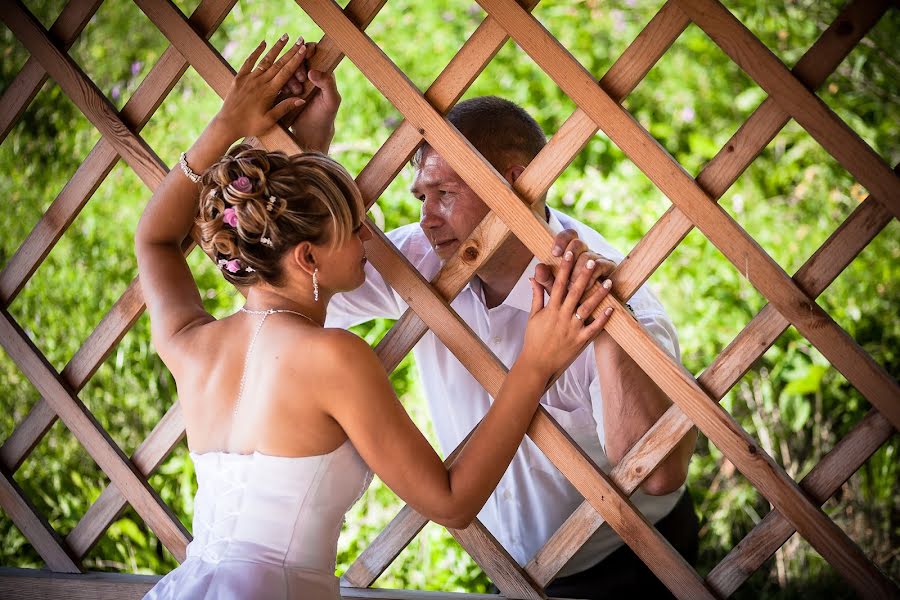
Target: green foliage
(791, 199)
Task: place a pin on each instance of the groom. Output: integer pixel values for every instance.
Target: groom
(604, 400)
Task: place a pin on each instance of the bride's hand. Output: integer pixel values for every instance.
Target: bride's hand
(248, 107)
(558, 331)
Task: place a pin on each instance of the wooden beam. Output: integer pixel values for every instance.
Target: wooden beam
(719, 426)
(28, 82)
(815, 116)
(84, 93)
(35, 528)
(79, 420)
(90, 174)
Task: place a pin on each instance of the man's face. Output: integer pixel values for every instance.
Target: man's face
(450, 209)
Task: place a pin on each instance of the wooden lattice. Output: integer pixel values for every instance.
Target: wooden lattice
(796, 506)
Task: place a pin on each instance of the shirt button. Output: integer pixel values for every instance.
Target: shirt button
(507, 495)
(497, 340)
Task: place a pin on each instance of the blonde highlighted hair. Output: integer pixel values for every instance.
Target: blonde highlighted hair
(285, 200)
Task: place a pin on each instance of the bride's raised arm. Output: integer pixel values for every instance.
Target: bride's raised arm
(248, 109)
(360, 398)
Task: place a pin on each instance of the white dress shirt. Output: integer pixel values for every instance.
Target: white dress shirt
(533, 499)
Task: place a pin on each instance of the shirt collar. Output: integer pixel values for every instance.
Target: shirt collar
(520, 295)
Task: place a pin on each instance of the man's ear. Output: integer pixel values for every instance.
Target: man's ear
(513, 172)
(304, 256)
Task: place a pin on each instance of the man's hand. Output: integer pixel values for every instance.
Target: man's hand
(313, 122)
(567, 241)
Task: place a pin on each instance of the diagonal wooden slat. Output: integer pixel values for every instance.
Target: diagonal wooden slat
(739, 248)
(817, 273)
(647, 542)
(217, 73)
(821, 483)
(84, 93)
(718, 226)
(27, 83)
(35, 528)
(147, 458)
(148, 96)
(93, 438)
(834, 44)
(815, 116)
(745, 145)
(622, 77)
(491, 233)
(734, 442)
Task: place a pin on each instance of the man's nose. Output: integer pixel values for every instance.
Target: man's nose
(431, 216)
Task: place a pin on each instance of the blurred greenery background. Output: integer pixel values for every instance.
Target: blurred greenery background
(791, 199)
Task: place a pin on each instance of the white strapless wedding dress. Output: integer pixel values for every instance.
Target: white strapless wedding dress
(266, 527)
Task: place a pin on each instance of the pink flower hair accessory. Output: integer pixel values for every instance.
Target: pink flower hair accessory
(242, 184)
(230, 217)
(233, 265)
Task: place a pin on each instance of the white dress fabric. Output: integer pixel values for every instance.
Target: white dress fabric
(267, 526)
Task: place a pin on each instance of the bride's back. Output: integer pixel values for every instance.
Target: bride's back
(280, 411)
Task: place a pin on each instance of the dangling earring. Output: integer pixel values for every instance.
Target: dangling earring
(316, 284)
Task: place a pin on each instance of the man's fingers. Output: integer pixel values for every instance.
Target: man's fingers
(251, 60)
(561, 241)
(577, 247)
(544, 276)
(328, 86)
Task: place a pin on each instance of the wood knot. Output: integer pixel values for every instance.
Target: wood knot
(470, 254)
(731, 147)
(638, 470)
(422, 131)
(844, 28)
(751, 449)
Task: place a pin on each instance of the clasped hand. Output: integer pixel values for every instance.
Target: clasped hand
(252, 106)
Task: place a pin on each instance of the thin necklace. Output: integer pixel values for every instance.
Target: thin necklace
(272, 311)
(265, 314)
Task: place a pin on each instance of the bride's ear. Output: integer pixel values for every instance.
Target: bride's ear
(304, 256)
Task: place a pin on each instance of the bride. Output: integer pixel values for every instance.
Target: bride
(286, 419)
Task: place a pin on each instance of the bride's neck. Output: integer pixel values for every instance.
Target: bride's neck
(264, 297)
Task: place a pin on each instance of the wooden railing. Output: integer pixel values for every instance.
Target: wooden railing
(796, 506)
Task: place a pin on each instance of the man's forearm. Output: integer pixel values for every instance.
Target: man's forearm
(632, 403)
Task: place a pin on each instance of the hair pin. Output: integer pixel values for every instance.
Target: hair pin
(271, 204)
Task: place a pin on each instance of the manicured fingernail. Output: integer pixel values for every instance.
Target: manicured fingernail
(283, 38)
(608, 284)
(568, 255)
(557, 251)
(300, 41)
(608, 311)
(589, 264)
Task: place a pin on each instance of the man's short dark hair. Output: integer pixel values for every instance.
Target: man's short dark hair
(501, 130)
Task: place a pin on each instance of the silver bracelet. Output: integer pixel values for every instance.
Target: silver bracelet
(188, 172)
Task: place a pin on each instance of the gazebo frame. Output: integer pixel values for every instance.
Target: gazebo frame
(796, 505)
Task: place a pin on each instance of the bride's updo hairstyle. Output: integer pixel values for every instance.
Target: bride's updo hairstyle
(257, 205)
